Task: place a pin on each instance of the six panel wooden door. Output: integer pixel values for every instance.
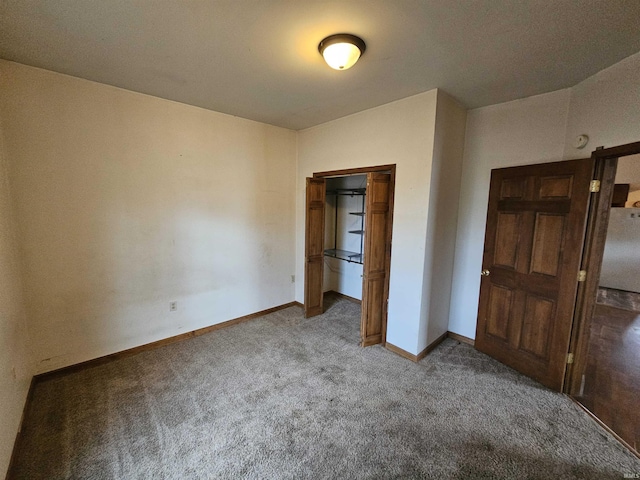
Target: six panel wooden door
(314, 247)
(376, 252)
(535, 230)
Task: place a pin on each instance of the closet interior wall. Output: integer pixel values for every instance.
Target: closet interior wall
(343, 276)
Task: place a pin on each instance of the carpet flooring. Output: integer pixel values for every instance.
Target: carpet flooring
(287, 397)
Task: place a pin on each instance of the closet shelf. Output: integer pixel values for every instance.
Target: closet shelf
(355, 206)
(347, 191)
(354, 257)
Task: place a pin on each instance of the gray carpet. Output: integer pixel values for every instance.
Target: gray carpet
(288, 397)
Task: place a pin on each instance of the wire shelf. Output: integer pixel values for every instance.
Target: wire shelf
(354, 257)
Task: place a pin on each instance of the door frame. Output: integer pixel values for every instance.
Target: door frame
(391, 168)
(606, 162)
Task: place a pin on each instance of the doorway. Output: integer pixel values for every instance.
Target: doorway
(349, 218)
(536, 220)
(544, 308)
(605, 375)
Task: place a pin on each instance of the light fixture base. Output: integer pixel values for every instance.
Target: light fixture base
(342, 50)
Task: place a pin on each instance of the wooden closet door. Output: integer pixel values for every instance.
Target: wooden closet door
(536, 223)
(376, 252)
(314, 247)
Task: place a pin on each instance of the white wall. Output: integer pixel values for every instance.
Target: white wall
(127, 202)
(521, 132)
(343, 277)
(620, 265)
(400, 133)
(606, 107)
(15, 364)
(620, 268)
(443, 218)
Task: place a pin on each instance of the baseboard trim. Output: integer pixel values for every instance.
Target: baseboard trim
(346, 297)
(401, 352)
(18, 441)
(422, 354)
(159, 343)
(374, 340)
(461, 338)
(431, 346)
(605, 426)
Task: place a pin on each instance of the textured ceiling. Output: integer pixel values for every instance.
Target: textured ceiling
(258, 59)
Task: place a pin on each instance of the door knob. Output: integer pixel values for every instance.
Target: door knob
(485, 273)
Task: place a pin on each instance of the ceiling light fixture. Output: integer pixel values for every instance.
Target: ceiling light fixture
(342, 50)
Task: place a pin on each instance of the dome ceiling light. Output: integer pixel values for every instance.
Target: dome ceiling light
(342, 50)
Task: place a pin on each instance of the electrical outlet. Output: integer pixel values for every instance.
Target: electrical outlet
(173, 306)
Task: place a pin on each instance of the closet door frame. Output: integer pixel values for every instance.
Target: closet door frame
(391, 170)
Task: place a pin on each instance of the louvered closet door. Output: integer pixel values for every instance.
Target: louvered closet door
(314, 247)
(534, 237)
(376, 251)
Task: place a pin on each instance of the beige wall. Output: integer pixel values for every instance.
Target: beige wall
(15, 364)
(514, 133)
(419, 135)
(127, 202)
(443, 218)
(398, 133)
(606, 107)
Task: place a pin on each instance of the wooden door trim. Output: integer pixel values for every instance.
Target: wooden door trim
(617, 152)
(391, 168)
(595, 238)
(356, 171)
(387, 267)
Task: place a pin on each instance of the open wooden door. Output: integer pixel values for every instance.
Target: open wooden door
(377, 249)
(534, 238)
(314, 247)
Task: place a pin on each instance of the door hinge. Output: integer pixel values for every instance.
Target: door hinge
(582, 275)
(569, 358)
(595, 186)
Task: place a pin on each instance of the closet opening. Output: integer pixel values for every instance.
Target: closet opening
(349, 217)
(344, 235)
